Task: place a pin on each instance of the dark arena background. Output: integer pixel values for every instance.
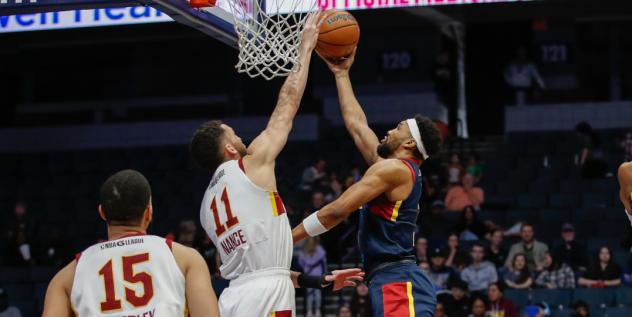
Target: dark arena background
(534, 99)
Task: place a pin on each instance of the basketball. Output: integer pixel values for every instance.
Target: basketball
(339, 35)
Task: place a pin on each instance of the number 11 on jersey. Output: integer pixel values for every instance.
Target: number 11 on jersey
(231, 220)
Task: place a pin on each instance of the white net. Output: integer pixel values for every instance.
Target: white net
(269, 35)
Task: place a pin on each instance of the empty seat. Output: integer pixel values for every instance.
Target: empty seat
(595, 297)
(623, 296)
(555, 298)
(520, 297)
(618, 312)
(563, 200)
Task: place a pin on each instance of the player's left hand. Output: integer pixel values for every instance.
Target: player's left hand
(311, 30)
(345, 278)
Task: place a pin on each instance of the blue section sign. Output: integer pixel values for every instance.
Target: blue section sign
(81, 18)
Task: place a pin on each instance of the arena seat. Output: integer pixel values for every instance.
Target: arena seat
(520, 297)
(555, 298)
(623, 296)
(595, 297)
(618, 312)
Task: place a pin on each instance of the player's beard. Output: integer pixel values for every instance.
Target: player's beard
(386, 150)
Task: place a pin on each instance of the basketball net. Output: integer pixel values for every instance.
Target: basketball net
(269, 35)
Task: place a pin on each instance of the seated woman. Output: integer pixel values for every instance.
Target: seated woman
(470, 227)
(478, 307)
(555, 275)
(603, 272)
(518, 276)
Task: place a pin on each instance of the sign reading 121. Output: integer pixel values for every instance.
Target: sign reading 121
(80, 18)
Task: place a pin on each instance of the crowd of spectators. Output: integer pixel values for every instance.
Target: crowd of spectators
(470, 260)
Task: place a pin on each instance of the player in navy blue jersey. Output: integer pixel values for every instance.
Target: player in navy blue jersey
(391, 190)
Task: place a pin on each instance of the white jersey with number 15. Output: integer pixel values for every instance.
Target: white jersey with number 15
(247, 223)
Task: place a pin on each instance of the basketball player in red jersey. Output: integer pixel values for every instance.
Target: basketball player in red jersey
(132, 274)
(625, 194)
(391, 190)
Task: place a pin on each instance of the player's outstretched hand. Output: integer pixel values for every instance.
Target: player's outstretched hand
(345, 278)
(311, 31)
(340, 66)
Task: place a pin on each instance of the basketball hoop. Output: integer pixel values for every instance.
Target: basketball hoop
(269, 35)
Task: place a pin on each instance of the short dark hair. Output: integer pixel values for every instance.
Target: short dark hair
(477, 244)
(430, 136)
(124, 198)
(501, 286)
(206, 144)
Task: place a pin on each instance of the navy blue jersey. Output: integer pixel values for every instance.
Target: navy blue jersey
(387, 228)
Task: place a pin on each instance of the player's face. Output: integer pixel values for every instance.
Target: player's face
(393, 139)
(234, 140)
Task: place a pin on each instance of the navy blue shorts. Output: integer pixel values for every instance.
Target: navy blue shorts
(402, 290)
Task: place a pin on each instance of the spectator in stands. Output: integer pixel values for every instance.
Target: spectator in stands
(626, 278)
(570, 251)
(354, 176)
(421, 249)
(580, 309)
(5, 309)
(55, 250)
(626, 145)
(335, 187)
(361, 302)
(495, 252)
(209, 253)
(591, 156)
(555, 275)
(344, 311)
(458, 302)
(518, 275)
(455, 170)
(533, 250)
(474, 167)
(522, 75)
(603, 272)
(425, 266)
(499, 306)
(312, 175)
(187, 233)
(440, 310)
(479, 274)
(470, 227)
(440, 273)
(19, 229)
(457, 257)
(313, 261)
(478, 307)
(463, 195)
(318, 201)
(434, 225)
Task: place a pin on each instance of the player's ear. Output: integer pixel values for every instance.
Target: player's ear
(410, 144)
(230, 150)
(149, 213)
(102, 214)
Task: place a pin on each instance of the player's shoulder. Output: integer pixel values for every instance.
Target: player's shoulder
(625, 168)
(65, 277)
(185, 256)
(390, 165)
(391, 169)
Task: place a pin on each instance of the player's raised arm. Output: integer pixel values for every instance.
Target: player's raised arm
(201, 299)
(57, 302)
(625, 193)
(271, 141)
(381, 177)
(352, 113)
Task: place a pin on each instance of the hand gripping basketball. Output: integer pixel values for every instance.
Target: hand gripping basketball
(345, 278)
